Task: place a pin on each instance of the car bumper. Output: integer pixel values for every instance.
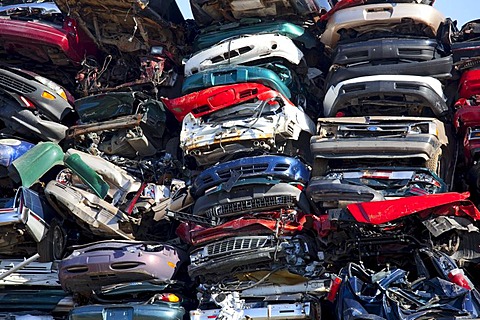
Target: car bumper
(439, 68)
(391, 49)
(387, 15)
(283, 168)
(278, 311)
(420, 146)
(411, 91)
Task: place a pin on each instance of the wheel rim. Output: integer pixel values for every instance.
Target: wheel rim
(58, 242)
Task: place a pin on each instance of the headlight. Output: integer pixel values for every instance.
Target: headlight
(53, 86)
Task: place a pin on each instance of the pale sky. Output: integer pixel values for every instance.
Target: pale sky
(460, 10)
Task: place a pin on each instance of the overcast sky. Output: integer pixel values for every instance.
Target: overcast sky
(460, 10)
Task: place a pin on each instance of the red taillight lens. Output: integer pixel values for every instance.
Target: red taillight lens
(334, 287)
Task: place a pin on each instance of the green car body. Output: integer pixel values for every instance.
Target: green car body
(214, 34)
(236, 74)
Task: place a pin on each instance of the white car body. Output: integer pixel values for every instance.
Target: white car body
(244, 49)
(382, 16)
(335, 91)
(260, 129)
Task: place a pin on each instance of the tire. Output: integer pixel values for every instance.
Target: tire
(53, 244)
(319, 167)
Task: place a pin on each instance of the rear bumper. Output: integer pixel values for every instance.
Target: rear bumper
(92, 213)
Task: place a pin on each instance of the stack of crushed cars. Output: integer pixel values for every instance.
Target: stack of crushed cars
(269, 159)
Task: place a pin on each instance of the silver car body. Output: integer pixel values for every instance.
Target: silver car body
(378, 137)
(244, 49)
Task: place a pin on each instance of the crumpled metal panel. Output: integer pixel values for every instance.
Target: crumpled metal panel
(209, 11)
(450, 203)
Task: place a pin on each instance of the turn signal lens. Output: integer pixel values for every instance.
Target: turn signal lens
(48, 95)
(63, 95)
(170, 297)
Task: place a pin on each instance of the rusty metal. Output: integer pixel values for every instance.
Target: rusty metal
(119, 123)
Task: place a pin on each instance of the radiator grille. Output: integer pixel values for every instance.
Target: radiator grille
(10, 83)
(236, 244)
(251, 204)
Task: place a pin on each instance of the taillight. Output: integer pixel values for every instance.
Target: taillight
(458, 277)
(27, 103)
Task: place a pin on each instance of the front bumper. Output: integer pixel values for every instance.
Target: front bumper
(279, 167)
(421, 146)
(231, 75)
(439, 68)
(251, 197)
(278, 311)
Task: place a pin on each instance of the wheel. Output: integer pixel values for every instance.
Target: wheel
(53, 244)
(319, 167)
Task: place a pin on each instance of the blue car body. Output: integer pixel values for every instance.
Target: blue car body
(280, 167)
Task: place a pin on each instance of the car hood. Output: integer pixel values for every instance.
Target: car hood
(115, 104)
(451, 203)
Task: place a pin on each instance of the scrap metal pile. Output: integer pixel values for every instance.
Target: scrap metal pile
(271, 159)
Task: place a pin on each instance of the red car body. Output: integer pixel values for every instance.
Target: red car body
(444, 204)
(265, 223)
(467, 124)
(469, 84)
(46, 42)
(212, 99)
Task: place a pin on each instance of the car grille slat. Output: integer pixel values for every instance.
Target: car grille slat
(245, 169)
(10, 83)
(250, 204)
(235, 245)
